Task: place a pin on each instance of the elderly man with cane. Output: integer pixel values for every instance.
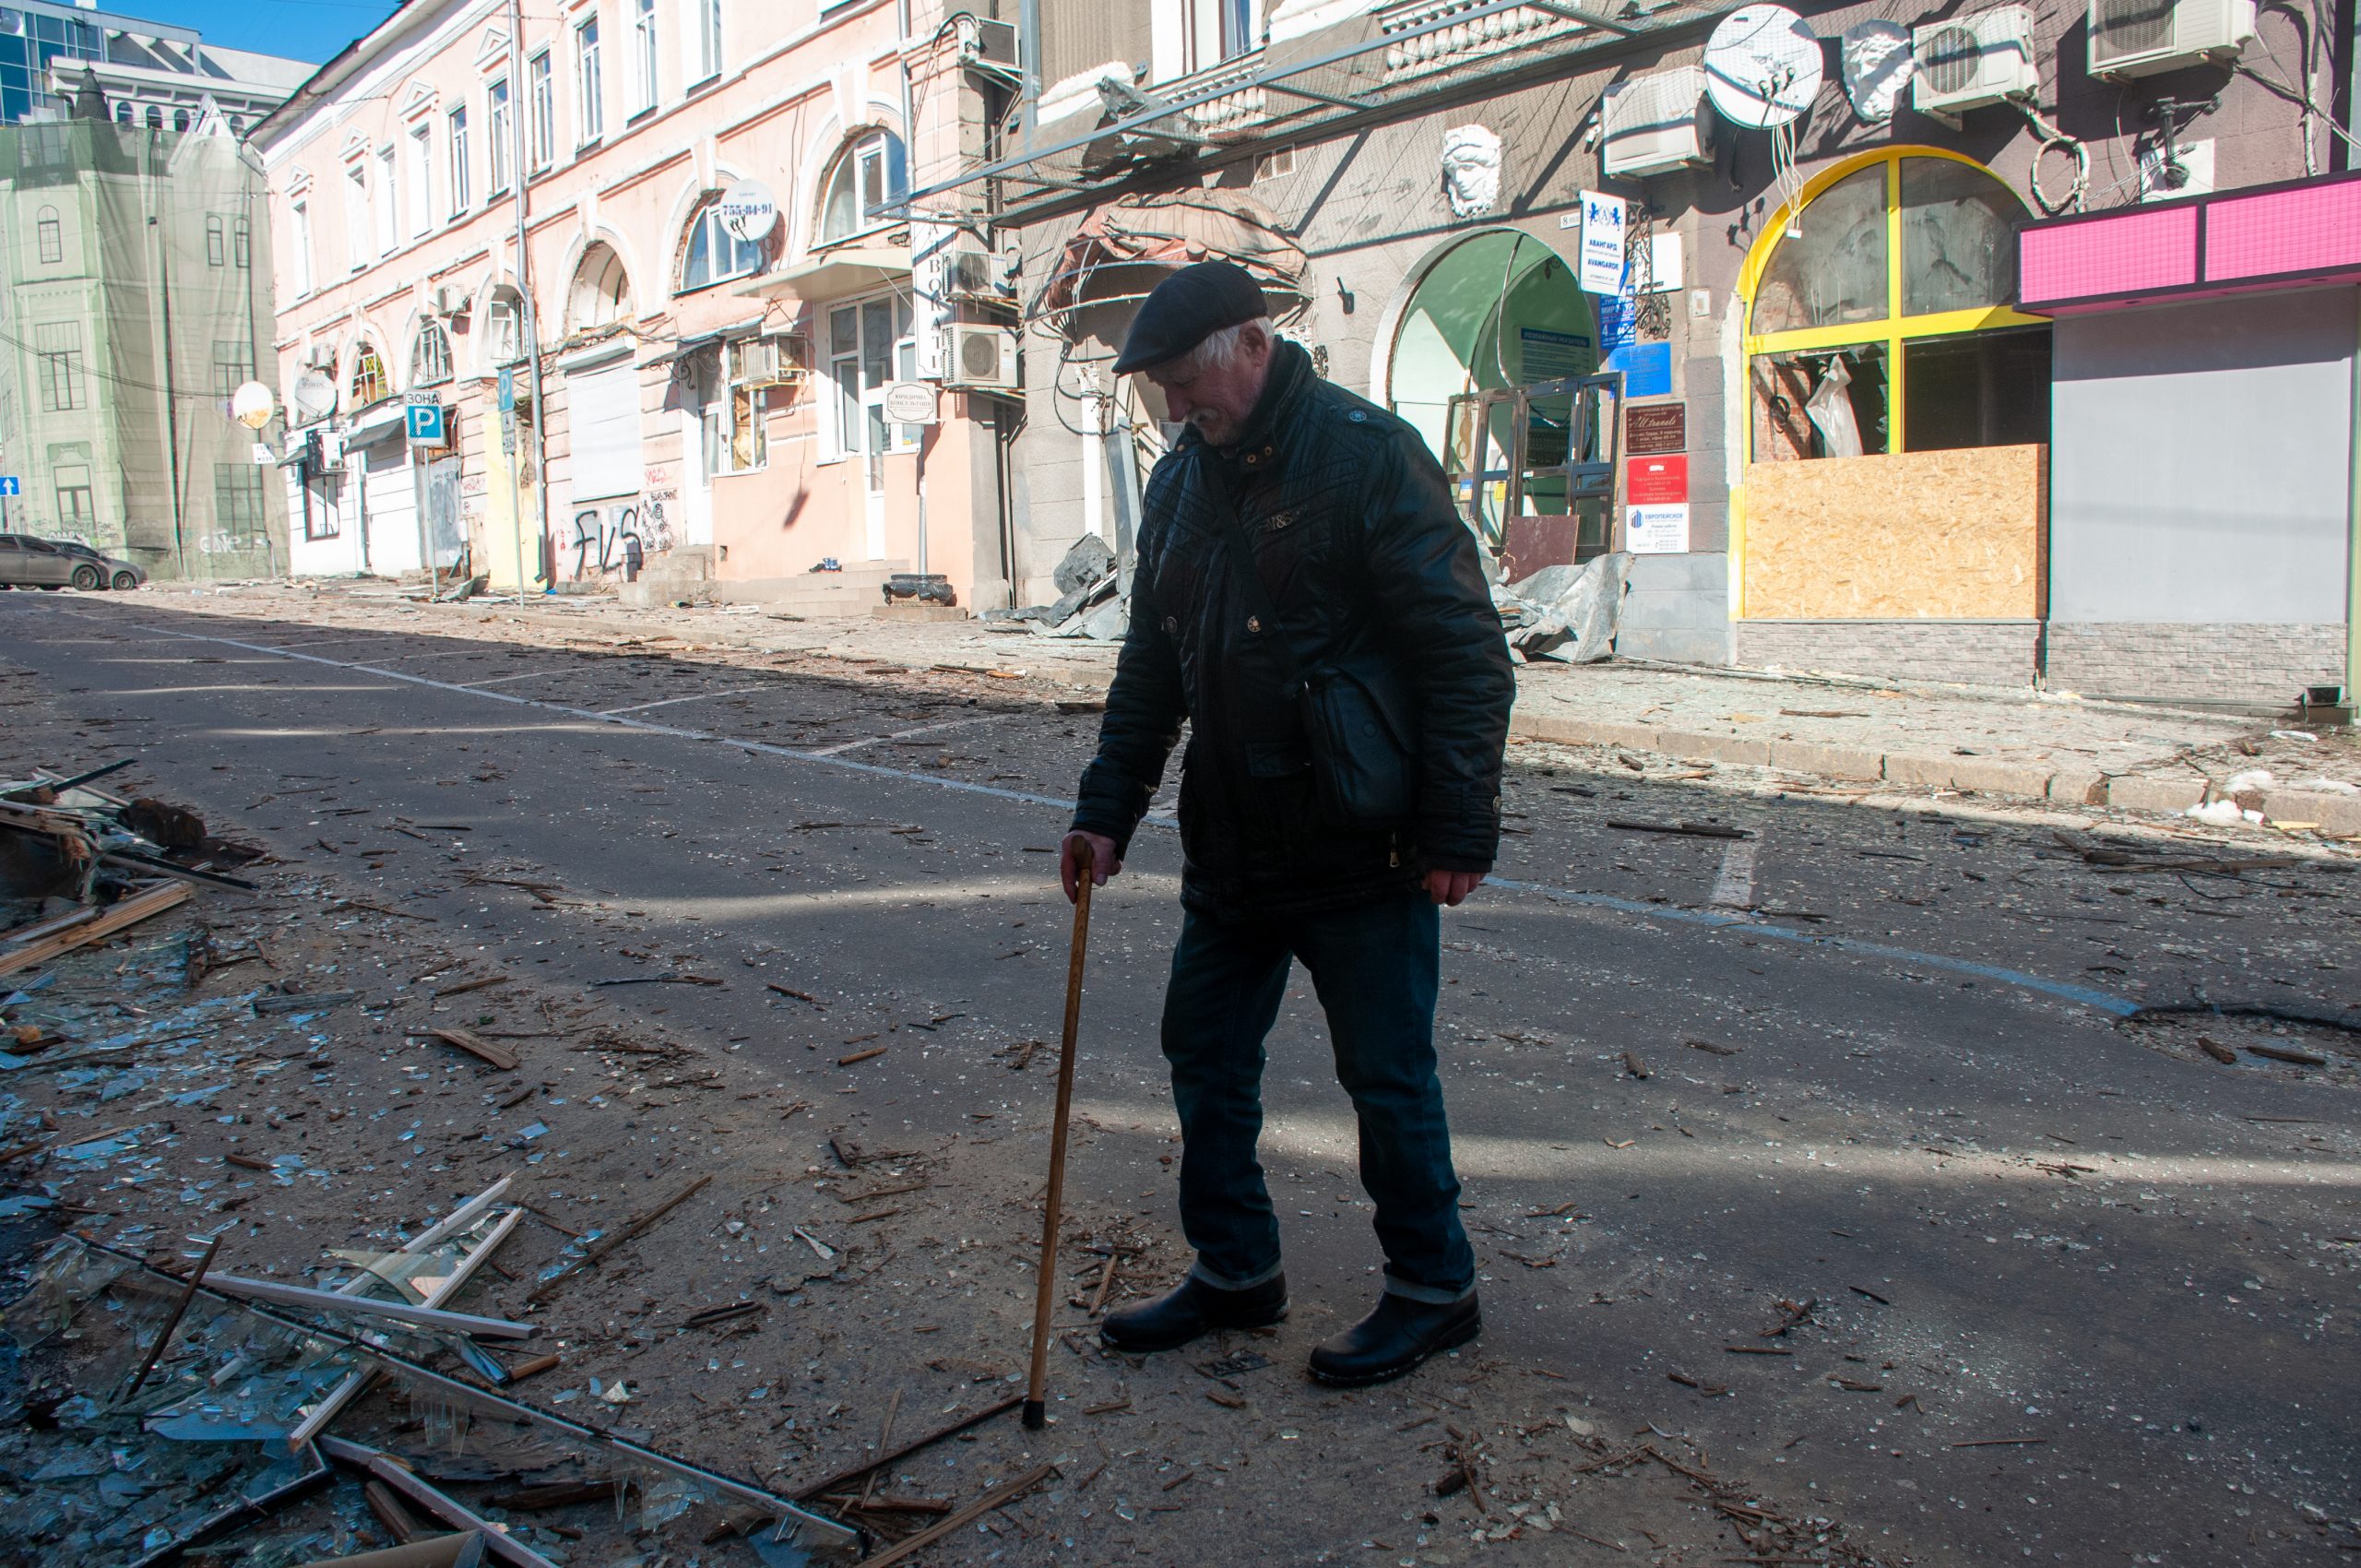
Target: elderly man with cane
(1306, 598)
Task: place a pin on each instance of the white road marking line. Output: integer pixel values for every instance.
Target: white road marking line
(374, 637)
(526, 675)
(666, 702)
(2105, 1001)
(843, 746)
(1734, 888)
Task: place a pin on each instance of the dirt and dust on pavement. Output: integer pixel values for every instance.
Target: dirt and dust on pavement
(743, 1272)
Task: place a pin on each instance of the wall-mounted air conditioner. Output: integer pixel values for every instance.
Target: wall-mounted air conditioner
(450, 299)
(764, 362)
(2141, 38)
(995, 44)
(975, 273)
(1656, 124)
(1974, 61)
(980, 359)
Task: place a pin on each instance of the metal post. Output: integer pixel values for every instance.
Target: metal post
(527, 321)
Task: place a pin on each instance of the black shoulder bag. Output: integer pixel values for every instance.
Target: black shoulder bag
(1358, 718)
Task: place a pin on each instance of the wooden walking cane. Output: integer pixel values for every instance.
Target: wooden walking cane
(1037, 1411)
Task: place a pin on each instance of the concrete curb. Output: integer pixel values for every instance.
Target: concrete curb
(2072, 786)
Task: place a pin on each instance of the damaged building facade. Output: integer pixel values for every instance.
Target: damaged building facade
(682, 380)
(1894, 397)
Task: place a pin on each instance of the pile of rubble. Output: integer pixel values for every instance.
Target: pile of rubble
(1090, 599)
(1566, 612)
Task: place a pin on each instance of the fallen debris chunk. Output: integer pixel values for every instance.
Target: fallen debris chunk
(462, 1549)
(999, 1497)
(382, 1468)
(861, 1055)
(1686, 829)
(124, 913)
(2217, 1050)
(630, 1230)
(475, 1045)
(172, 1321)
(2282, 1053)
(284, 1294)
(845, 1477)
(302, 1002)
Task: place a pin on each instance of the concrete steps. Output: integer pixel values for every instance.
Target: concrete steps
(853, 591)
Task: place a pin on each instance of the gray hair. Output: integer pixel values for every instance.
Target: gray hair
(1220, 350)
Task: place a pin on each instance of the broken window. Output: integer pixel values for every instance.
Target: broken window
(1976, 389)
(1831, 404)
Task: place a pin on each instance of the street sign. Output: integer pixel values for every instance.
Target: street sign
(426, 424)
(508, 430)
(910, 402)
(1605, 218)
(507, 389)
(10, 485)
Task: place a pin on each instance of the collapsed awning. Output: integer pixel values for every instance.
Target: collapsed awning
(833, 274)
(1125, 248)
(682, 348)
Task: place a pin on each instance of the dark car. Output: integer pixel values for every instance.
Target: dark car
(52, 563)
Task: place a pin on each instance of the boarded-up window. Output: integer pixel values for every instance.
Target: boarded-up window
(604, 419)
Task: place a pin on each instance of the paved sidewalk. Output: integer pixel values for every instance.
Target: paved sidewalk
(1743, 728)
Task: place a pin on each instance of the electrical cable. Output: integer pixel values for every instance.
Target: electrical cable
(2291, 96)
(2052, 137)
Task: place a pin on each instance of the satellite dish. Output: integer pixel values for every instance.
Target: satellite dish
(1878, 64)
(315, 396)
(252, 405)
(1762, 66)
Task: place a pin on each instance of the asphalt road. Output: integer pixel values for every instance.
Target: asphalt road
(2077, 1292)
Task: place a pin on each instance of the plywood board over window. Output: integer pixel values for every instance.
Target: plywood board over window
(1946, 535)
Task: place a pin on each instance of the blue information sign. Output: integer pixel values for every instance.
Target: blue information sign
(10, 485)
(507, 388)
(426, 424)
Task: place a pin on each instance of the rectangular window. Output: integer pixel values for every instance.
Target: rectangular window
(589, 90)
(59, 344)
(237, 499)
(542, 108)
(241, 243)
(462, 197)
(421, 180)
(870, 345)
(502, 130)
(356, 216)
(233, 366)
(216, 241)
(702, 30)
(389, 218)
(75, 511)
(643, 37)
(52, 237)
(1976, 389)
(299, 245)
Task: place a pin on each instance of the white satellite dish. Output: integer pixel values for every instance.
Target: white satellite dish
(1877, 65)
(1762, 67)
(314, 395)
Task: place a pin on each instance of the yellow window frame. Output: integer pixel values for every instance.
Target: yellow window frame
(1894, 328)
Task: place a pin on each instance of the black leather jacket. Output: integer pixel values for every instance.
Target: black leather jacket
(1355, 537)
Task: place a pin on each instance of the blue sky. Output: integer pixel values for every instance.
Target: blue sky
(303, 29)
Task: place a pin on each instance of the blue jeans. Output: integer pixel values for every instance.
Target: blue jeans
(1375, 969)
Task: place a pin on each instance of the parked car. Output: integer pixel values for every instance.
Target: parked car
(52, 563)
(119, 573)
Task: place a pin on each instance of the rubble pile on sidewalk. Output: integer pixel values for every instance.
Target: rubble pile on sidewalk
(1090, 602)
(1565, 612)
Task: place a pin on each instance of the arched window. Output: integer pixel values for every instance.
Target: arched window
(369, 384)
(869, 174)
(155, 118)
(50, 237)
(601, 294)
(430, 357)
(122, 113)
(1881, 323)
(504, 327)
(712, 254)
(179, 119)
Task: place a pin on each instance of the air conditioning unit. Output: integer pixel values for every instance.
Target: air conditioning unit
(995, 44)
(1656, 123)
(2142, 37)
(1972, 62)
(978, 274)
(324, 451)
(760, 362)
(980, 358)
(450, 299)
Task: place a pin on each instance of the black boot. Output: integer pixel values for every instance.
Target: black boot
(1191, 1309)
(1394, 1338)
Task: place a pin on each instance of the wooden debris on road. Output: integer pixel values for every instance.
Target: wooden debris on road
(475, 1045)
(1684, 829)
(999, 1497)
(116, 917)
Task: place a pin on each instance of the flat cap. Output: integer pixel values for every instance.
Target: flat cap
(1186, 309)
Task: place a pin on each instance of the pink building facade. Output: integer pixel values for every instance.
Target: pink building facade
(696, 388)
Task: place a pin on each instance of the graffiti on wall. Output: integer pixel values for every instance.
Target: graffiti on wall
(620, 537)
